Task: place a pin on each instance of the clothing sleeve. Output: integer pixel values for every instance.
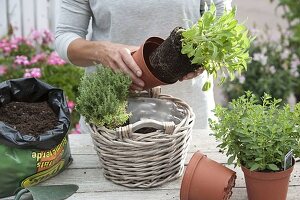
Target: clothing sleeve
(221, 5)
(72, 23)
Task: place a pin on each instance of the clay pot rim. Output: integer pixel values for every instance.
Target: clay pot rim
(186, 181)
(268, 175)
(147, 74)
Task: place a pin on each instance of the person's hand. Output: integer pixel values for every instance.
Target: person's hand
(192, 74)
(118, 57)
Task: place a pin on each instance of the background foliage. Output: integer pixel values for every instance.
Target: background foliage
(273, 69)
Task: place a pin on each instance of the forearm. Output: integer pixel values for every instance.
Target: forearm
(82, 52)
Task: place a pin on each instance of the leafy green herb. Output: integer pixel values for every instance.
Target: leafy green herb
(217, 44)
(257, 136)
(103, 97)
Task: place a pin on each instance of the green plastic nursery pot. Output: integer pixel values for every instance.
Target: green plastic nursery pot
(267, 185)
(205, 179)
(141, 57)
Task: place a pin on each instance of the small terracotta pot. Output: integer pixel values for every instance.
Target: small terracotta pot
(205, 179)
(141, 57)
(267, 185)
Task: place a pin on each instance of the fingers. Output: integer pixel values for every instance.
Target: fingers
(135, 87)
(129, 61)
(192, 74)
(136, 80)
(117, 63)
(118, 57)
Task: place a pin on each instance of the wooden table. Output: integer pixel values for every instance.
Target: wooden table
(86, 172)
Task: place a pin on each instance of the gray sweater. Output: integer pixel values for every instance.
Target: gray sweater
(131, 22)
(127, 22)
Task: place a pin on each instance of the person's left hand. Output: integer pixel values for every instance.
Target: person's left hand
(192, 74)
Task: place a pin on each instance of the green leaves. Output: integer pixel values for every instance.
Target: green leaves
(257, 135)
(217, 43)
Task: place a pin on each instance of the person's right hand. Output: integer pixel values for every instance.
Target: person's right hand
(118, 57)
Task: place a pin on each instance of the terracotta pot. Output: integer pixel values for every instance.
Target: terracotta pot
(141, 57)
(205, 179)
(267, 185)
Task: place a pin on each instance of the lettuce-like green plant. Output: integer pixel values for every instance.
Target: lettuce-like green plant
(217, 43)
(103, 97)
(257, 136)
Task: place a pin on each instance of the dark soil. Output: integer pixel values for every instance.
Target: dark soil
(167, 62)
(29, 118)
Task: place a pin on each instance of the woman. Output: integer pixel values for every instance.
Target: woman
(119, 27)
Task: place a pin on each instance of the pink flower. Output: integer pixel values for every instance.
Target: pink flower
(71, 105)
(38, 57)
(3, 70)
(22, 60)
(16, 41)
(6, 46)
(47, 37)
(35, 35)
(76, 130)
(54, 59)
(33, 72)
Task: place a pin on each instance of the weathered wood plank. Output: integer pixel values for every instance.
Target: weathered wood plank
(15, 14)
(153, 194)
(238, 194)
(54, 7)
(42, 21)
(28, 19)
(3, 17)
(92, 179)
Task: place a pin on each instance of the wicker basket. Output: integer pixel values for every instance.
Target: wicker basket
(134, 159)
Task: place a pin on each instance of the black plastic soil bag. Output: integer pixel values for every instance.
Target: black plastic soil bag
(27, 160)
(34, 90)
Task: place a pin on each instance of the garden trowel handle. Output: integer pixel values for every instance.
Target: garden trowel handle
(20, 193)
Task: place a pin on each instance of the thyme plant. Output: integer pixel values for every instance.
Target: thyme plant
(103, 97)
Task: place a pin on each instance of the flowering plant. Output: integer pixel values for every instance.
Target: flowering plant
(33, 56)
(273, 69)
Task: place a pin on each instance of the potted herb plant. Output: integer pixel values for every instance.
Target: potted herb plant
(260, 138)
(214, 44)
(103, 98)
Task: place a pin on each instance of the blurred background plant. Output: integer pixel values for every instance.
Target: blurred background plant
(291, 13)
(273, 68)
(33, 56)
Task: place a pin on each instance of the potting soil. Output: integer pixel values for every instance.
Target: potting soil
(34, 122)
(29, 118)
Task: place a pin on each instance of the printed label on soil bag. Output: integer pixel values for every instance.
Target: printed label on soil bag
(46, 159)
(27, 167)
(48, 164)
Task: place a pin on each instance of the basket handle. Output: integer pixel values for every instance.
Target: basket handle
(154, 92)
(126, 131)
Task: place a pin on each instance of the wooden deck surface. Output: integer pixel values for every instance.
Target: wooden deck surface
(86, 172)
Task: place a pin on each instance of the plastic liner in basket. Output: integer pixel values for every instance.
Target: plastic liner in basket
(136, 159)
(161, 110)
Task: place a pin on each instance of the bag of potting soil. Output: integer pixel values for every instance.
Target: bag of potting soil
(27, 159)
